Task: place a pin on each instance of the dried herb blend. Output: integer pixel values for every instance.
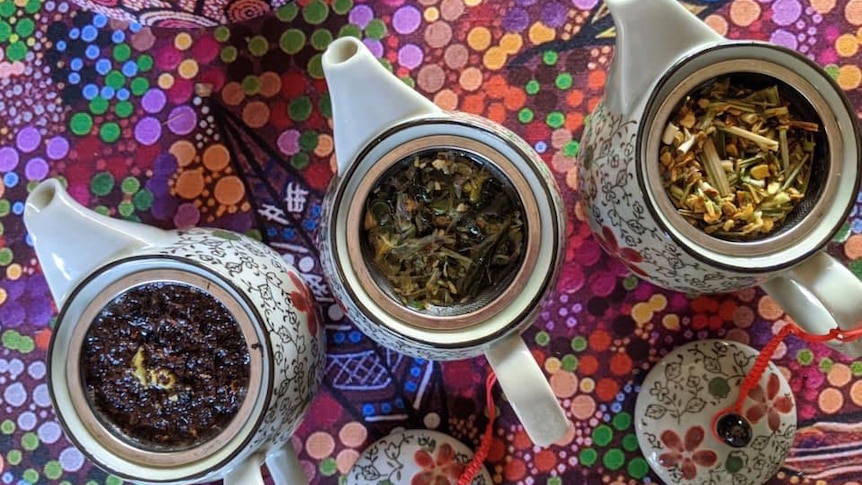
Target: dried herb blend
(735, 162)
(166, 364)
(441, 227)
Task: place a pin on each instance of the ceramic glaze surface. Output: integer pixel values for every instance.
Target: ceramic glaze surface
(414, 457)
(681, 395)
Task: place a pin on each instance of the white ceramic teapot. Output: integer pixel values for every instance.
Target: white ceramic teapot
(663, 53)
(379, 123)
(92, 262)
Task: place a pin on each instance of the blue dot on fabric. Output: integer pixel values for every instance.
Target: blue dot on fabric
(89, 33)
(355, 337)
(107, 92)
(103, 66)
(118, 37)
(410, 386)
(367, 410)
(856, 226)
(92, 52)
(90, 91)
(310, 225)
(130, 68)
(74, 33)
(541, 147)
(415, 371)
(7, 477)
(10, 179)
(288, 233)
(100, 20)
(386, 408)
(74, 78)
(18, 208)
(28, 239)
(123, 94)
(271, 231)
(76, 64)
(615, 408)
(339, 337)
(399, 403)
(60, 45)
(135, 27)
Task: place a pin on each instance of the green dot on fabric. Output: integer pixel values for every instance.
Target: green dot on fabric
(26, 344)
(325, 106)
(408, 81)
(5, 207)
(124, 109)
(602, 435)
(126, 208)
(350, 30)
(5, 31)
(315, 66)
(2, 227)
(145, 62)
(139, 86)
(843, 234)
(555, 119)
(341, 7)
(16, 51)
(308, 140)
(579, 344)
(638, 468)
(630, 282)
(251, 85)
(110, 132)
(81, 124)
(7, 8)
(6, 257)
(532, 87)
(113, 480)
(102, 184)
(542, 338)
(550, 57)
(10, 339)
(569, 362)
(103, 210)
(833, 70)
(222, 33)
(299, 109)
(328, 467)
(826, 365)
(588, 457)
(258, 46)
(53, 470)
(228, 54)
(525, 115)
(564, 80)
(29, 441)
(122, 53)
(7, 426)
(315, 13)
(630, 442)
(856, 268)
(555, 481)
(130, 185)
(25, 27)
(571, 148)
(14, 457)
(292, 41)
(30, 475)
(33, 6)
(320, 39)
(299, 161)
(287, 13)
(98, 105)
(622, 421)
(805, 357)
(614, 459)
(115, 79)
(143, 200)
(375, 29)
(856, 369)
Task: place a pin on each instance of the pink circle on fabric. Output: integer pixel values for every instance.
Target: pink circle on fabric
(406, 20)
(410, 56)
(8, 159)
(58, 147)
(148, 130)
(187, 215)
(182, 120)
(36, 169)
(288, 142)
(153, 101)
(28, 139)
(585, 4)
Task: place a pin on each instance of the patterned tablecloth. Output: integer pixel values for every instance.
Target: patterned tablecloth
(111, 106)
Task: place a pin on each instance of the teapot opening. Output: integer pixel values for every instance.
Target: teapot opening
(341, 50)
(42, 195)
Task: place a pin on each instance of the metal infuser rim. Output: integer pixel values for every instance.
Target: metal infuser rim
(489, 302)
(806, 219)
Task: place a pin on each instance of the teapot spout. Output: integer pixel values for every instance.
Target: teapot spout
(366, 98)
(71, 241)
(651, 36)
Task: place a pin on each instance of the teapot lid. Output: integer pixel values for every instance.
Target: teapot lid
(414, 456)
(685, 433)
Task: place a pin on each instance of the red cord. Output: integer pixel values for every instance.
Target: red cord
(485, 443)
(762, 361)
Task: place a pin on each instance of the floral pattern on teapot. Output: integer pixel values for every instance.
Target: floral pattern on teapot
(284, 303)
(619, 217)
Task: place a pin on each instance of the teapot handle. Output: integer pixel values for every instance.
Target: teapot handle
(528, 390)
(284, 467)
(821, 294)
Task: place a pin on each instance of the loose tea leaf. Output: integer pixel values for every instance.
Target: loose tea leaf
(734, 161)
(441, 227)
(166, 364)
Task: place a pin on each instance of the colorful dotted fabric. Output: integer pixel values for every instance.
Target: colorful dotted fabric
(230, 126)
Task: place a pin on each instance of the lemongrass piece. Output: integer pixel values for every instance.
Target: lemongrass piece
(715, 171)
(785, 151)
(743, 133)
